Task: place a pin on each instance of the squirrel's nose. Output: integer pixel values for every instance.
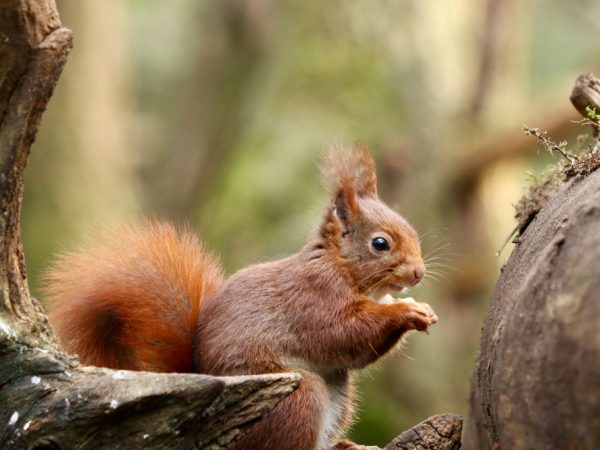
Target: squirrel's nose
(419, 273)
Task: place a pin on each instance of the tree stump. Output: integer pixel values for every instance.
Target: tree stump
(537, 381)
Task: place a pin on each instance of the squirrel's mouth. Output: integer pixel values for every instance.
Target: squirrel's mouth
(397, 289)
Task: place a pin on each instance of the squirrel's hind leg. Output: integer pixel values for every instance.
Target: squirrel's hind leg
(295, 423)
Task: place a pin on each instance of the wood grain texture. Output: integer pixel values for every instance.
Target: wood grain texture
(439, 432)
(91, 408)
(33, 51)
(586, 94)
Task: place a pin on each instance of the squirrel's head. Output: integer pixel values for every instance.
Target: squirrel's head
(380, 248)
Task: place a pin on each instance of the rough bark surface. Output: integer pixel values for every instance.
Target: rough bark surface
(440, 432)
(537, 380)
(33, 50)
(86, 407)
(586, 94)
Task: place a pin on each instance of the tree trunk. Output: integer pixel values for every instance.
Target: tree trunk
(536, 384)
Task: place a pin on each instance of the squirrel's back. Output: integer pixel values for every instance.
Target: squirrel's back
(132, 302)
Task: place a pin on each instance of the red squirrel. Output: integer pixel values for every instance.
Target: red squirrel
(150, 297)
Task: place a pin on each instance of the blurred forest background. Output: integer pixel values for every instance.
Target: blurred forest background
(215, 114)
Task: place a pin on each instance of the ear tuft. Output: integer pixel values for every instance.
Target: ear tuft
(345, 169)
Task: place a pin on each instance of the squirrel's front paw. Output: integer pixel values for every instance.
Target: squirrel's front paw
(419, 316)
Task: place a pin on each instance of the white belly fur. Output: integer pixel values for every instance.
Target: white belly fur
(332, 415)
(335, 402)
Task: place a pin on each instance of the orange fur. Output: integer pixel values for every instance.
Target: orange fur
(132, 301)
(153, 299)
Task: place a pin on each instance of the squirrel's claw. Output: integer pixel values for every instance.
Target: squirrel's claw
(419, 316)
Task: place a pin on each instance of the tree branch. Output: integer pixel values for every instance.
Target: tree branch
(586, 94)
(586, 99)
(439, 432)
(34, 51)
(49, 401)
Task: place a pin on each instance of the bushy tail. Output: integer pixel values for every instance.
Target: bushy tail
(132, 300)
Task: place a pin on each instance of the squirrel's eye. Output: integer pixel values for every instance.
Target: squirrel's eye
(380, 244)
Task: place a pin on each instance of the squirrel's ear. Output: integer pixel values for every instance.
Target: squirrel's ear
(344, 173)
(349, 171)
(346, 205)
(365, 177)
(340, 214)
